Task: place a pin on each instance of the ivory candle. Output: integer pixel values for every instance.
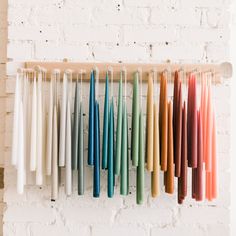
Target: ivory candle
(63, 122)
(149, 125)
(49, 131)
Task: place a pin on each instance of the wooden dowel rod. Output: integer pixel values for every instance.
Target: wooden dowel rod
(76, 68)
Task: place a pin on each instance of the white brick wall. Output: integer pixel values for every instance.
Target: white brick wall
(128, 30)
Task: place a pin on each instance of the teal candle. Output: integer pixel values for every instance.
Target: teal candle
(135, 122)
(75, 137)
(81, 152)
(124, 170)
(119, 130)
(140, 168)
(96, 170)
(105, 125)
(110, 189)
(91, 121)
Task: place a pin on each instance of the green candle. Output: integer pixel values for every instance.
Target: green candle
(124, 181)
(105, 125)
(140, 168)
(135, 121)
(75, 139)
(119, 130)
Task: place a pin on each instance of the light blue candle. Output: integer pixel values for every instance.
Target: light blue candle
(110, 179)
(96, 180)
(105, 125)
(91, 121)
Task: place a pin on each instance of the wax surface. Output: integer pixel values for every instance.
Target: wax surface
(91, 127)
(149, 125)
(105, 125)
(155, 178)
(119, 130)
(135, 122)
(140, 168)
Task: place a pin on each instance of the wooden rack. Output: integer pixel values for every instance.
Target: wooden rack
(223, 70)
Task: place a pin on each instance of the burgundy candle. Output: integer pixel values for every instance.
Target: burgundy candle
(178, 133)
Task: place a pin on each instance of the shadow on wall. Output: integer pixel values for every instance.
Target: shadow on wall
(3, 60)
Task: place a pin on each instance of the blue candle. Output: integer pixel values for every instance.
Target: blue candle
(110, 190)
(105, 125)
(91, 121)
(96, 173)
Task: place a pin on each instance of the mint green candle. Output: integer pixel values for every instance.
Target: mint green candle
(119, 130)
(135, 122)
(140, 168)
(124, 170)
(105, 125)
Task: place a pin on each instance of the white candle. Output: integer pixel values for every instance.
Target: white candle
(54, 186)
(39, 169)
(63, 122)
(20, 154)
(49, 131)
(16, 122)
(68, 151)
(33, 144)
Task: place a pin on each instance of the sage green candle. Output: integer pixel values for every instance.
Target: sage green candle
(119, 130)
(135, 122)
(81, 152)
(75, 139)
(140, 168)
(124, 178)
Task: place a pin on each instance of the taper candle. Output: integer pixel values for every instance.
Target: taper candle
(164, 124)
(124, 155)
(54, 179)
(119, 130)
(175, 103)
(75, 132)
(15, 137)
(39, 169)
(155, 178)
(63, 122)
(20, 161)
(214, 160)
(105, 125)
(96, 170)
(135, 121)
(149, 125)
(33, 143)
(68, 171)
(49, 130)
(110, 179)
(178, 132)
(169, 187)
(141, 162)
(91, 127)
(81, 152)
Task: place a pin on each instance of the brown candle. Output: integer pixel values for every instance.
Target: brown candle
(149, 125)
(189, 119)
(164, 126)
(156, 156)
(194, 191)
(169, 184)
(182, 180)
(178, 133)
